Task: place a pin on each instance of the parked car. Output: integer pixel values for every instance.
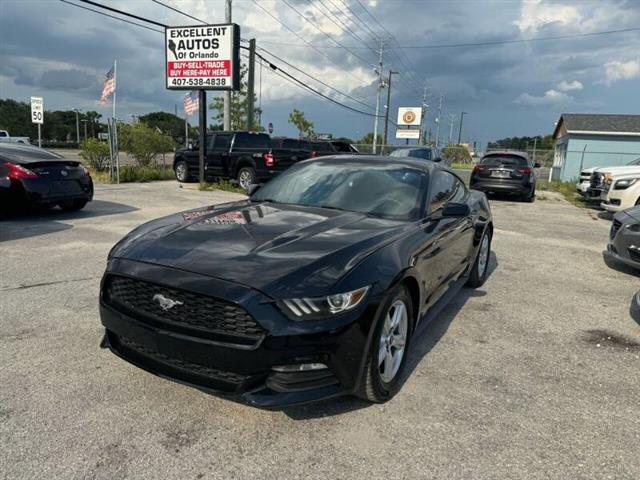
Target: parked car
(600, 176)
(242, 156)
(344, 147)
(584, 181)
(508, 172)
(31, 176)
(621, 192)
(624, 238)
(312, 288)
(6, 138)
(320, 148)
(425, 153)
(288, 151)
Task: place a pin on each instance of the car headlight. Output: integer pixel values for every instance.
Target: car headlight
(622, 184)
(309, 308)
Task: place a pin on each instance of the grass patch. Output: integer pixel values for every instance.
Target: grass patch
(462, 166)
(134, 173)
(566, 189)
(224, 185)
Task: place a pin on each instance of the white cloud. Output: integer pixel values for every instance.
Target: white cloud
(616, 70)
(550, 97)
(535, 14)
(565, 86)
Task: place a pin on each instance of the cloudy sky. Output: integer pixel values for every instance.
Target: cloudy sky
(61, 52)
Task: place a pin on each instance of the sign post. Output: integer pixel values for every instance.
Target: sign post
(37, 115)
(203, 57)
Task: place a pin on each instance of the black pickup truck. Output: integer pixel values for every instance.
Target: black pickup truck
(243, 156)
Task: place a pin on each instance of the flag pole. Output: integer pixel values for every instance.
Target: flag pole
(115, 121)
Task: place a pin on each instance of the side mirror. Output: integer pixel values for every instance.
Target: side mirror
(253, 188)
(452, 209)
(536, 165)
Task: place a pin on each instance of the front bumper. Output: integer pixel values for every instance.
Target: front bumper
(244, 372)
(624, 247)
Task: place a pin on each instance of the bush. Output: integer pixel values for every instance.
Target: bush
(96, 153)
(149, 173)
(144, 143)
(457, 154)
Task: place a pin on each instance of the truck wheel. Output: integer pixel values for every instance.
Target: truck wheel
(246, 177)
(182, 171)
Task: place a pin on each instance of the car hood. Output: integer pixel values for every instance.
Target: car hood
(619, 170)
(633, 212)
(278, 249)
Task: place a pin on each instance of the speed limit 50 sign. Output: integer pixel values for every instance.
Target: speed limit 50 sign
(37, 110)
(203, 57)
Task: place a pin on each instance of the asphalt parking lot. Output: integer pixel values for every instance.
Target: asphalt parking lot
(536, 375)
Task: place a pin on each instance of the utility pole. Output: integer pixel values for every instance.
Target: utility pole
(227, 94)
(202, 144)
(251, 82)
(379, 88)
(460, 131)
(423, 120)
(84, 121)
(452, 119)
(438, 121)
(386, 115)
(77, 125)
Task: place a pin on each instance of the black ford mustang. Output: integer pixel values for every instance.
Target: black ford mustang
(311, 288)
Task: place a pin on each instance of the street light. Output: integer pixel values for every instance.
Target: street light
(460, 131)
(386, 115)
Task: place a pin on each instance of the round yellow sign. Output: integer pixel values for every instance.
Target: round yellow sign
(409, 117)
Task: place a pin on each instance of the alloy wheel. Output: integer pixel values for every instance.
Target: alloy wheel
(181, 171)
(483, 255)
(393, 339)
(245, 179)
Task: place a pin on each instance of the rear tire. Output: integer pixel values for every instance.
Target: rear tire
(246, 177)
(73, 205)
(478, 274)
(181, 170)
(531, 196)
(390, 342)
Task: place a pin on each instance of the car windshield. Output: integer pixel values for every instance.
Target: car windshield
(504, 160)
(634, 162)
(424, 153)
(389, 191)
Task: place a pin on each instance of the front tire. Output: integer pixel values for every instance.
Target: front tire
(246, 177)
(387, 356)
(478, 274)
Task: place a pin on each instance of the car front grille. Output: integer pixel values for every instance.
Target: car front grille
(615, 226)
(596, 180)
(190, 313)
(181, 369)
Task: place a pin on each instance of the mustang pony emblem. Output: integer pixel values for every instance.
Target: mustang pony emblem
(166, 303)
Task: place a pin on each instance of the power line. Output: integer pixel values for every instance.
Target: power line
(316, 79)
(303, 40)
(126, 14)
(170, 7)
(111, 16)
(364, 60)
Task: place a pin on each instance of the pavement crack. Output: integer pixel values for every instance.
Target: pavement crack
(24, 286)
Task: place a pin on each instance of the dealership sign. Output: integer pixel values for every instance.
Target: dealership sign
(408, 134)
(410, 116)
(205, 57)
(37, 110)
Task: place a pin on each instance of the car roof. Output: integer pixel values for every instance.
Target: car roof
(26, 153)
(417, 163)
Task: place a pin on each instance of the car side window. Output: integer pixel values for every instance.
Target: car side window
(210, 142)
(222, 142)
(443, 188)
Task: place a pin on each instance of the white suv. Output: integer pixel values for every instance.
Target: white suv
(621, 191)
(600, 177)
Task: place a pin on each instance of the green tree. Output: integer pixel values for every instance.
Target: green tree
(144, 143)
(239, 107)
(167, 122)
(96, 153)
(304, 126)
(93, 123)
(368, 139)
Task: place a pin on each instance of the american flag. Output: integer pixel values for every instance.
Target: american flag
(191, 102)
(108, 87)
